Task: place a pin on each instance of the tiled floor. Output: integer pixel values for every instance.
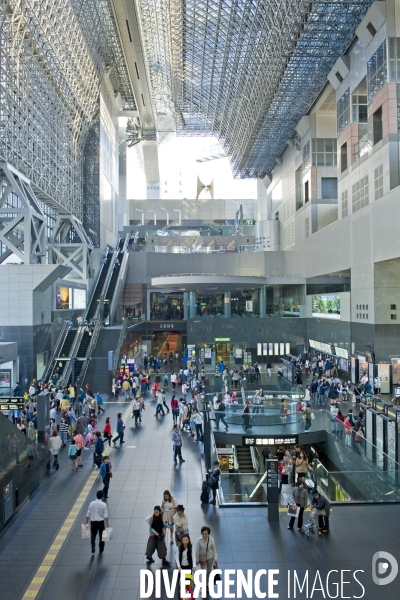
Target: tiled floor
(143, 469)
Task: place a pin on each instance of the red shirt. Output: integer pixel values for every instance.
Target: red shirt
(174, 403)
(107, 428)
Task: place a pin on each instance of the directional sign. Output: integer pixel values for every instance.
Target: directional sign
(8, 403)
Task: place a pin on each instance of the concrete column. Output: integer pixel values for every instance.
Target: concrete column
(192, 305)
(262, 300)
(227, 305)
(185, 306)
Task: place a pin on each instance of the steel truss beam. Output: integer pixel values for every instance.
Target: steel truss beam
(70, 246)
(244, 71)
(22, 222)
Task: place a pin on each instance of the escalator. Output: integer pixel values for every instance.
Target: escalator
(81, 353)
(65, 350)
(113, 283)
(99, 288)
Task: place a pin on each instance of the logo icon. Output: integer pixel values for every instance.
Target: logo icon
(384, 564)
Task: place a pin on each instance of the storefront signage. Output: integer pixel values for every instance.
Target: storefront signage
(222, 339)
(269, 441)
(167, 325)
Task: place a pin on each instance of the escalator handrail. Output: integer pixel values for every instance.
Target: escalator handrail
(103, 264)
(89, 352)
(107, 280)
(120, 282)
(74, 349)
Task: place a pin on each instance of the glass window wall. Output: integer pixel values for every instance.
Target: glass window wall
(166, 307)
(245, 303)
(210, 305)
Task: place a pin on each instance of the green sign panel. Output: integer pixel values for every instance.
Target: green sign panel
(222, 339)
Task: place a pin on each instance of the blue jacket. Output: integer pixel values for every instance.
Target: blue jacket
(120, 426)
(99, 399)
(99, 447)
(103, 469)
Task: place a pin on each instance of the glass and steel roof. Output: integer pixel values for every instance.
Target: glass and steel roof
(245, 71)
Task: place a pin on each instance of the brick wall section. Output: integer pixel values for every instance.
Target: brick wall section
(387, 98)
(349, 135)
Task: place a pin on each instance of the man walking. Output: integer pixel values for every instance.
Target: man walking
(55, 444)
(106, 475)
(98, 515)
(100, 403)
(176, 438)
(120, 431)
(136, 411)
(98, 450)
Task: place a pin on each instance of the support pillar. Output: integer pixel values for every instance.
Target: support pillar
(227, 305)
(263, 301)
(192, 305)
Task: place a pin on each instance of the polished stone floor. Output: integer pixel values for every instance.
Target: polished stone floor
(245, 539)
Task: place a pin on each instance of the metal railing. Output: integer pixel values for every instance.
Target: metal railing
(120, 281)
(193, 249)
(119, 345)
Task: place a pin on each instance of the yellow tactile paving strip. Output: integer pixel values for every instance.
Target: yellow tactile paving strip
(43, 570)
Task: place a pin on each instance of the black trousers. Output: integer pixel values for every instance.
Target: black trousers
(97, 526)
(119, 437)
(106, 482)
(177, 453)
(299, 519)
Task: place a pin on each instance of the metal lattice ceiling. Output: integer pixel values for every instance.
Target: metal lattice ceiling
(53, 54)
(243, 71)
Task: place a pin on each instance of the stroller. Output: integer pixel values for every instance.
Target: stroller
(311, 525)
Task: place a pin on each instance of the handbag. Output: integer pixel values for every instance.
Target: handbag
(203, 559)
(85, 531)
(293, 509)
(312, 416)
(217, 576)
(180, 535)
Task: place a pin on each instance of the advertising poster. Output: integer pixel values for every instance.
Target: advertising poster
(265, 349)
(392, 448)
(362, 368)
(380, 458)
(371, 373)
(207, 353)
(384, 376)
(5, 382)
(249, 305)
(238, 353)
(327, 306)
(396, 374)
(63, 298)
(353, 370)
(79, 299)
(344, 365)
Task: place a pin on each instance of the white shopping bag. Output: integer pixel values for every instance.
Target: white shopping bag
(85, 531)
(107, 534)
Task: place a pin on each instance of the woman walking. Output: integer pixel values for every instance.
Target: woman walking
(185, 557)
(107, 431)
(206, 552)
(181, 524)
(72, 453)
(156, 539)
(168, 506)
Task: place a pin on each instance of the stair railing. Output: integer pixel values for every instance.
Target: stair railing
(119, 345)
(120, 281)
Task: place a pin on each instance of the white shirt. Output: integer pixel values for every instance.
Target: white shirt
(184, 563)
(97, 511)
(53, 413)
(173, 378)
(215, 402)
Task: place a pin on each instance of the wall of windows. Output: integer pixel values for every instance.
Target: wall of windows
(343, 112)
(377, 72)
(210, 305)
(324, 152)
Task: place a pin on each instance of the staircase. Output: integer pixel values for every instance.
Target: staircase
(246, 466)
(65, 350)
(244, 459)
(97, 375)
